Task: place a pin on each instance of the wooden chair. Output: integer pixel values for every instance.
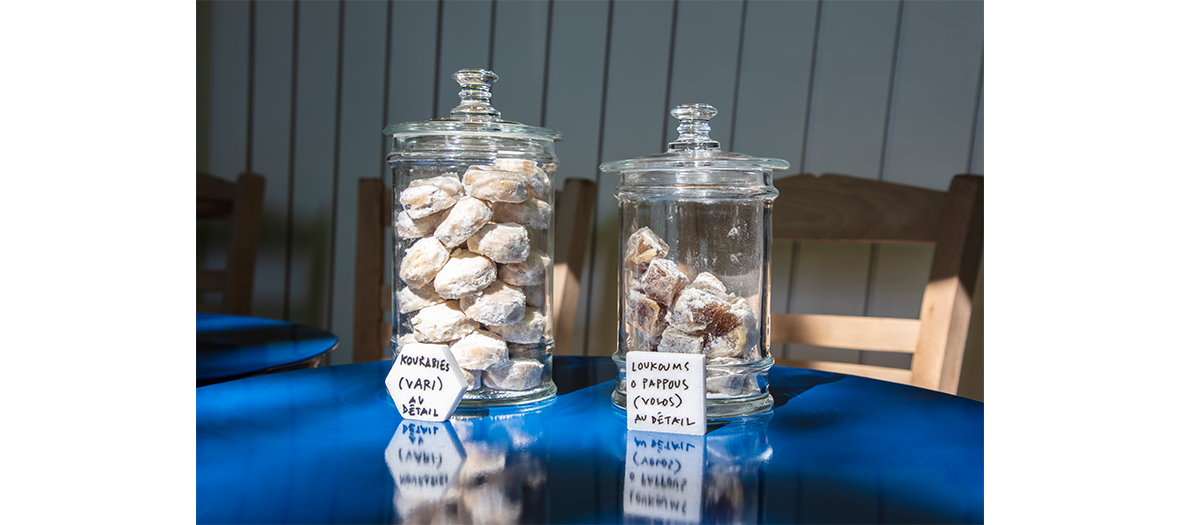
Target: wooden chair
(373, 296)
(241, 204)
(849, 209)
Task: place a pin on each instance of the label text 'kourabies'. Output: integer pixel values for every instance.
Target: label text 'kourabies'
(426, 362)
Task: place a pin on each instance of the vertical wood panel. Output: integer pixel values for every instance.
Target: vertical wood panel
(633, 124)
(411, 63)
(204, 75)
(929, 141)
(274, 25)
(705, 63)
(772, 99)
(519, 60)
(772, 104)
(977, 149)
(228, 88)
(362, 90)
(854, 59)
(229, 65)
(934, 98)
(577, 55)
(466, 33)
(315, 116)
(576, 63)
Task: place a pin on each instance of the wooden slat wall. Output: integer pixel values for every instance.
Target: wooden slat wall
(299, 92)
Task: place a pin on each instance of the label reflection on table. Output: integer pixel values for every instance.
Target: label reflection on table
(445, 473)
(663, 476)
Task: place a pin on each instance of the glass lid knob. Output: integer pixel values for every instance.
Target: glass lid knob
(694, 127)
(476, 95)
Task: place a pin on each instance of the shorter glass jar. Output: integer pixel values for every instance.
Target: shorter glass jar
(473, 246)
(694, 265)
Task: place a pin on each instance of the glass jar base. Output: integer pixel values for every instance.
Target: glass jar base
(487, 397)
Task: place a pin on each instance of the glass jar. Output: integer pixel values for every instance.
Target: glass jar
(473, 246)
(694, 245)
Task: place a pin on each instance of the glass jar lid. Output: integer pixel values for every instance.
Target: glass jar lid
(474, 115)
(694, 149)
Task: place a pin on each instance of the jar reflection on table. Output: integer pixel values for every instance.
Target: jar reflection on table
(473, 244)
(675, 478)
(694, 244)
(734, 459)
(498, 480)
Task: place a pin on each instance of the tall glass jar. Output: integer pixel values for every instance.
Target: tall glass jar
(473, 246)
(694, 245)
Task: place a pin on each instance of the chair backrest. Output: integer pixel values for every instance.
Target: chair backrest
(241, 203)
(849, 209)
(373, 296)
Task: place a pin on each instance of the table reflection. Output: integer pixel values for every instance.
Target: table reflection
(328, 446)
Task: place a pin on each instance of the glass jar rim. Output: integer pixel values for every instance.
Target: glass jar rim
(447, 126)
(699, 159)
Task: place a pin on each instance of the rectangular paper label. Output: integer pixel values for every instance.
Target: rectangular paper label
(666, 392)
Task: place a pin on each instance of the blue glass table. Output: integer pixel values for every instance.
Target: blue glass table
(234, 346)
(326, 445)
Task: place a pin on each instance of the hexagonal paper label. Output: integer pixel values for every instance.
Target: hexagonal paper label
(425, 382)
(424, 458)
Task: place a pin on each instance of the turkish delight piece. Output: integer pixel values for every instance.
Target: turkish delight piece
(429, 196)
(499, 303)
(729, 344)
(517, 351)
(708, 282)
(663, 281)
(518, 374)
(532, 213)
(410, 228)
(423, 261)
(474, 378)
(644, 314)
(494, 185)
(642, 247)
(740, 308)
(531, 272)
(725, 383)
(534, 295)
(644, 343)
(530, 329)
(414, 299)
(503, 243)
(441, 323)
(480, 350)
(674, 340)
(464, 274)
(696, 310)
(463, 219)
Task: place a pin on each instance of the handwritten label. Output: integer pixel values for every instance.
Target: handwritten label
(424, 459)
(666, 392)
(425, 382)
(663, 476)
